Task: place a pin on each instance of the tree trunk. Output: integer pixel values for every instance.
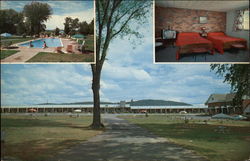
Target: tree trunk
(96, 124)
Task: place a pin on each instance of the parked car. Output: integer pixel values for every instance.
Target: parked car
(182, 112)
(32, 110)
(78, 111)
(143, 111)
(239, 117)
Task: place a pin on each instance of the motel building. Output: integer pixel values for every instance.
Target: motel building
(223, 103)
(121, 107)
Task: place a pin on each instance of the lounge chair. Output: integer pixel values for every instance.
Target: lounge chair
(81, 47)
(58, 49)
(69, 48)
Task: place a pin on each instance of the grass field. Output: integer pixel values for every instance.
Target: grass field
(40, 138)
(13, 40)
(61, 57)
(6, 53)
(230, 144)
(89, 44)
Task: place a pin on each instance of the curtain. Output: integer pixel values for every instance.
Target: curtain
(239, 20)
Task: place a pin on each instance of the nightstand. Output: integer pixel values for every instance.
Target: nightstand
(159, 43)
(170, 42)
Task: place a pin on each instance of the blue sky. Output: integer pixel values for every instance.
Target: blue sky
(61, 9)
(129, 73)
(30, 84)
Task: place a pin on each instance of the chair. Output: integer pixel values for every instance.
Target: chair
(69, 48)
(58, 49)
(81, 47)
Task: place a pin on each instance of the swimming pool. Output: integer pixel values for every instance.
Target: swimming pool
(50, 42)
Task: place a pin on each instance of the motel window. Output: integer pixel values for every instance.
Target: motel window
(246, 20)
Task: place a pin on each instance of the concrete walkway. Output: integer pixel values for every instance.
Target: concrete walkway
(24, 54)
(126, 142)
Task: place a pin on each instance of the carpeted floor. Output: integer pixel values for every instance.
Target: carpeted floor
(233, 55)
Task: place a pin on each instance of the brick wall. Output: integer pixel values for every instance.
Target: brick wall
(245, 103)
(187, 20)
(218, 104)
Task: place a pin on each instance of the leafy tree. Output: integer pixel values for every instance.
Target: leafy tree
(21, 28)
(238, 76)
(57, 31)
(83, 28)
(37, 13)
(71, 25)
(91, 28)
(67, 23)
(74, 26)
(114, 18)
(9, 19)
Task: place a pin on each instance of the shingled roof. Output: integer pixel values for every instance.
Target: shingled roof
(213, 98)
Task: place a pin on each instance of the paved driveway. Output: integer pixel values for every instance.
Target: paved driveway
(123, 141)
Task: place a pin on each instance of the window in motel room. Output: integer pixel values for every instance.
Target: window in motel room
(246, 20)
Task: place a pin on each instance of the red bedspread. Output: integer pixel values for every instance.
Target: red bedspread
(190, 39)
(187, 42)
(222, 41)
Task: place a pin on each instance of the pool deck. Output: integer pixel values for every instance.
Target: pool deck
(27, 53)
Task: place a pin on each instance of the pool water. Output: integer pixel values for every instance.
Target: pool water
(50, 42)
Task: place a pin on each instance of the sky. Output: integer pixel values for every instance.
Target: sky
(128, 73)
(83, 10)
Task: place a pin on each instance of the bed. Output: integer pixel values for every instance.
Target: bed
(192, 42)
(222, 42)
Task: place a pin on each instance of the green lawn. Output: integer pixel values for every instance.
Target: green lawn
(232, 144)
(40, 138)
(89, 43)
(13, 40)
(6, 53)
(60, 57)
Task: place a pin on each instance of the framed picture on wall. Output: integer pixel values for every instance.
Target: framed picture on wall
(203, 20)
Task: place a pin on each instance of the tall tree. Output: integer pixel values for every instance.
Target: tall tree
(83, 28)
(21, 29)
(37, 13)
(71, 25)
(74, 26)
(114, 18)
(91, 28)
(57, 31)
(238, 76)
(67, 23)
(9, 19)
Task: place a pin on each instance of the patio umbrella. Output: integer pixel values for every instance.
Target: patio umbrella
(6, 35)
(78, 36)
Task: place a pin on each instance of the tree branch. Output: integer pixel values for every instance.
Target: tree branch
(109, 30)
(125, 24)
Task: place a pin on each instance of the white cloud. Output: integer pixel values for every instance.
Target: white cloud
(37, 83)
(109, 85)
(58, 20)
(127, 73)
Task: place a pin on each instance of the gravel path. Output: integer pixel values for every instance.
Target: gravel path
(123, 141)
